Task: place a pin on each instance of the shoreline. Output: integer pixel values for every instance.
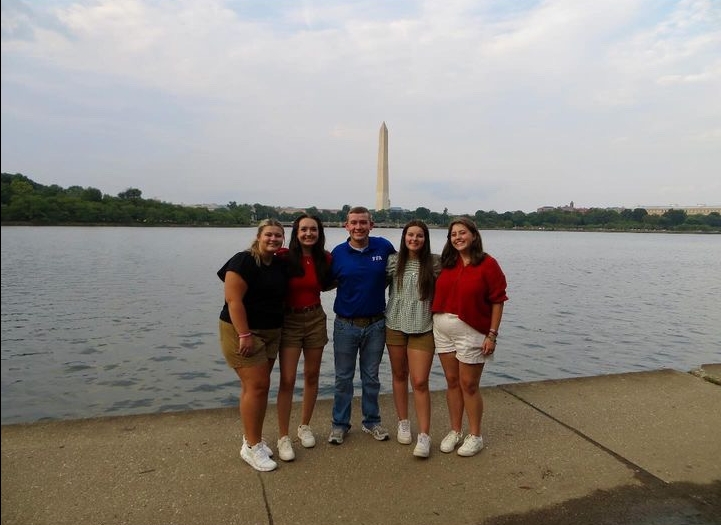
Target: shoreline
(376, 226)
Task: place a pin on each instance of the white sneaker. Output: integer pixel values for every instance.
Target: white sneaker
(257, 457)
(423, 446)
(472, 445)
(307, 439)
(268, 450)
(404, 432)
(285, 449)
(450, 441)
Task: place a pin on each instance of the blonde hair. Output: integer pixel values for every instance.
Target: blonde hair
(262, 225)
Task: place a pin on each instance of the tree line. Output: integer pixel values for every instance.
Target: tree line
(27, 202)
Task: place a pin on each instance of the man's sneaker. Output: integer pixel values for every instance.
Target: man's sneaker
(472, 445)
(378, 431)
(404, 432)
(257, 457)
(450, 441)
(268, 450)
(307, 439)
(336, 435)
(423, 446)
(285, 449)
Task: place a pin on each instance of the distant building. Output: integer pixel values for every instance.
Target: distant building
(290, 211)
(569, 207)
(690, 210)
(651, 210)
(209, 207)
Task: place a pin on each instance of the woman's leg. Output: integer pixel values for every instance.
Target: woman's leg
(419, 366)
(470, 379)
(312, 358)
(454, 395)
(254, 383)
(289, 358)
(399, 370)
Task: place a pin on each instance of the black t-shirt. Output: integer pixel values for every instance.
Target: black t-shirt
(267, 285)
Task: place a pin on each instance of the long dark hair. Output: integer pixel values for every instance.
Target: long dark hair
(318, 252)
(449, 256)
(426, 279)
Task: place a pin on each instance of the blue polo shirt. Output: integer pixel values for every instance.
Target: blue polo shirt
(361, 278)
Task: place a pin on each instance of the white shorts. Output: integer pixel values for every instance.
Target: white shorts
(453, 335)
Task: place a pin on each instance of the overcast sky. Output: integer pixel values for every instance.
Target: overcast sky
(490, 105)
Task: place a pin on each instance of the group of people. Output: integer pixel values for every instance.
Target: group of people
(450, 304)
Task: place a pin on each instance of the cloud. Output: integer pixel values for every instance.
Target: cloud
(493, 105)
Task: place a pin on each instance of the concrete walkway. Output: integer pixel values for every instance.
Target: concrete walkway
(641, 448)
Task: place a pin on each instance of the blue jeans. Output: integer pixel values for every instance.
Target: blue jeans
(352, 342)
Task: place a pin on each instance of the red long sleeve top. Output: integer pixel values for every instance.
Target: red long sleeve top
(469, 291)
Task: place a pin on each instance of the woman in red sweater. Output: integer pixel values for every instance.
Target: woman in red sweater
(467, 309)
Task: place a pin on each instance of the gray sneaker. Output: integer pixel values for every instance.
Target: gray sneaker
(336, 435)
(378, 431)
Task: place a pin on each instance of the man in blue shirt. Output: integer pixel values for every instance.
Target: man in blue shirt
(359, 270)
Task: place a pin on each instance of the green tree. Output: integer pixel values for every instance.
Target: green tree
(92, 194)
(131, 194)
(675, 217)
(423, 213)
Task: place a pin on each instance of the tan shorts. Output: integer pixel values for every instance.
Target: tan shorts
(266, 342)
(453, 335)
(422, 341)
(305, 330)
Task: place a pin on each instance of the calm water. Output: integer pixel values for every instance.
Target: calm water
(111, 321)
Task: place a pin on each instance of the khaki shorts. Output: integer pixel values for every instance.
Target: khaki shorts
(266, 343)
(305, 330)
(453, 335)
(422, 341)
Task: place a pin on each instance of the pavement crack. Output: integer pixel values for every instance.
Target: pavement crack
(265, 500)
(641, 472)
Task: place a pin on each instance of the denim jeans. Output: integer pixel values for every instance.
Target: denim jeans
(366, 344)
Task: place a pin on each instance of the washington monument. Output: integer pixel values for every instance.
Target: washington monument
(382, 200)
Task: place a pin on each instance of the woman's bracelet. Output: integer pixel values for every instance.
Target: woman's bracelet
(492, 331)
(246, 334)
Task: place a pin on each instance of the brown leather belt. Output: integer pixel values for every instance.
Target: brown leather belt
(303, 310)
(361, 321)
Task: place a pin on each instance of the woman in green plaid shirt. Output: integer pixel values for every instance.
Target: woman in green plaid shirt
(412, 275)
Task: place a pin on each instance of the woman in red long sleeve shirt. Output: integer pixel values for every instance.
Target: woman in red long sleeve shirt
(467, 309)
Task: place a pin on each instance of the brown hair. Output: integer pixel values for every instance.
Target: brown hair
(426, 277)
(360, 209)
(318, 252)
(449, 256)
